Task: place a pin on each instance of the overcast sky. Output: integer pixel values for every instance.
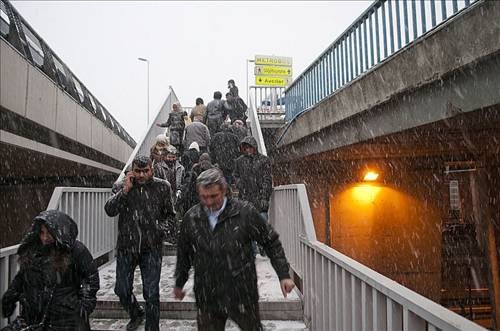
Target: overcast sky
(193, 46)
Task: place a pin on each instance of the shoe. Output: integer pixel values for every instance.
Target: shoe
(135, 321)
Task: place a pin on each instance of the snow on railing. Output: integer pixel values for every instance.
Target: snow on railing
(255, 127)
(95, 229)
(148, 139)
(342, 294)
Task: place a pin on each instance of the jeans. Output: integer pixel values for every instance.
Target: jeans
(150, 264)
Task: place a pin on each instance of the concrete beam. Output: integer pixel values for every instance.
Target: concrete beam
(13, 79)
(465, 40)
(66, 115)
(15, 140)
(84, 126)
(41, 99)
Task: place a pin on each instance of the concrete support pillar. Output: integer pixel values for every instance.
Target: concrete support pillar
(481, 203)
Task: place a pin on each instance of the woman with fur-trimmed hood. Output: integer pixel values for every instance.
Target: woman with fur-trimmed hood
(58, 280)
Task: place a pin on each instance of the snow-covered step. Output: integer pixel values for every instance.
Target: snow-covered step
(272, 304)
(188, 325)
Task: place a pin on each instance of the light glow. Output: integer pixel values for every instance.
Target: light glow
(370, 176)
(363, 194)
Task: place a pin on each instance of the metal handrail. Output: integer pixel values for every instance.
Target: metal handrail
(95, 229)
(380, 32)
(148, 139)
(340, 293)
(255, 128)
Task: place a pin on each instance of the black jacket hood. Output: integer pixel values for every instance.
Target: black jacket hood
(60, 225)
(249, 140)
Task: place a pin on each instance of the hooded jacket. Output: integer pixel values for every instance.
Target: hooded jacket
(223, 260)
(66, 271)
(197, 132)
(224, 150)
(143, 215)
(253, 177)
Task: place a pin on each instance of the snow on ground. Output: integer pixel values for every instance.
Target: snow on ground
(190, 325)
(268, 283)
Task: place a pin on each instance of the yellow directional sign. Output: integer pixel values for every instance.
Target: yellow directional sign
(272, 81)
(273, 60)
(273, 71)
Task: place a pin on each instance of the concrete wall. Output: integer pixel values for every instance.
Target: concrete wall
(27, 91)
(393, 232)
(393, 227)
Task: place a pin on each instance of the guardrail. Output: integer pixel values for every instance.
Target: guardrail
(269, 102)
(342, 294)
(148, 139)
(95, 229)
(255, 127)
(383, 29)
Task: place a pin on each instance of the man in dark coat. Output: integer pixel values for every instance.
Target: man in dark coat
(252, 174)
(215, 114)
(144, 206)
(215, 238)
(176, 124)
(58, 279)
(188, 197)
(239, 129)
(171, 170)
(235, 108)
(224, 149)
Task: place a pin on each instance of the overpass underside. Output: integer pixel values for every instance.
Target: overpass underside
(428, 122)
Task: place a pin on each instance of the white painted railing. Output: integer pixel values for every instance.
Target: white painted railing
(253, 118)
(95, 229)
(148, 139)
(342, 294)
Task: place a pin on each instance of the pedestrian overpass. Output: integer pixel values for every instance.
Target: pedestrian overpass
(334, 291)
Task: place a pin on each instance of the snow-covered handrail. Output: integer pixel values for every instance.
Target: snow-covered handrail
(148, 139)
(255, 127)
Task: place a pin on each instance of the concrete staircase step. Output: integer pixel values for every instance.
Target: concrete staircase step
(188, 325)
(272, 304)
(187, 310)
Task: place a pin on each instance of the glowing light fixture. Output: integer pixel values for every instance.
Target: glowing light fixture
(370, 176)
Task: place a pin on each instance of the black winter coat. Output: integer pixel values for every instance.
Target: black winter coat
(224, 149)
(253, 177)
(175, 121)
(189, 158)
(143, 215)
(66, 269)
(223, 260)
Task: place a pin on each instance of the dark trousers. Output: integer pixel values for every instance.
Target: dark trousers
(150, 264)
(247, 319)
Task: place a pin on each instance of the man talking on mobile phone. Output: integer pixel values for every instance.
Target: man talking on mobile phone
(143, 204)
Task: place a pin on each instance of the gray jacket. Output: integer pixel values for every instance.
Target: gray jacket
(163, 171)
(198, 132)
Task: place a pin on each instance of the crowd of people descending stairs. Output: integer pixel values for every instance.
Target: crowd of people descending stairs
(184, 193)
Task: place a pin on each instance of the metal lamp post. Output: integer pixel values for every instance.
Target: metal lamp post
(147, 61)
(248, 93)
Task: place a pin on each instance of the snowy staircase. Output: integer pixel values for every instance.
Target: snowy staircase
(276, 312)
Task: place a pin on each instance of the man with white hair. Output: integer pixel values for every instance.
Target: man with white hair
(216, 239)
